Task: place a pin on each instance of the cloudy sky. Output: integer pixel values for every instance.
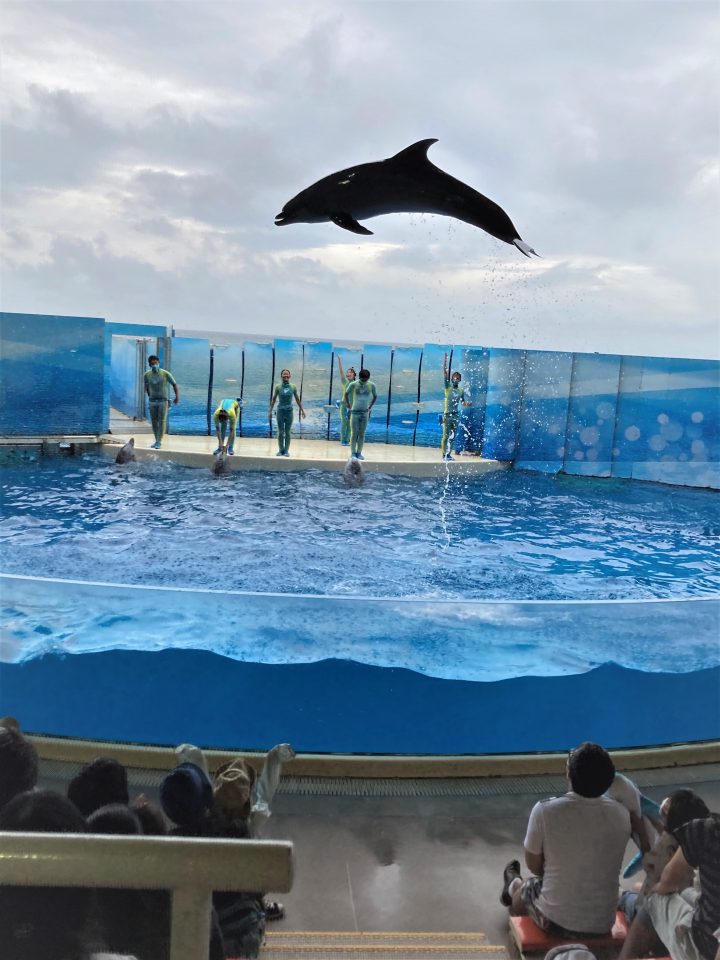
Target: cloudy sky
(148, 146)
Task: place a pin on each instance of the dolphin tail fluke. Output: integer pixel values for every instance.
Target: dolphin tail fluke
(524, 247)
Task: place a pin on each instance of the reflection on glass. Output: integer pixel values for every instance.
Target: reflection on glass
(257, 389)
(190, 365)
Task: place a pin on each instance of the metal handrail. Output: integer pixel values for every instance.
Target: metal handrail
(190, 868)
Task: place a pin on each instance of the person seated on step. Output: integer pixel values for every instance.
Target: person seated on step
(676, 810)
(574, 848)
(226, 419)
(681, 917)
(186, 795)
(242, 800)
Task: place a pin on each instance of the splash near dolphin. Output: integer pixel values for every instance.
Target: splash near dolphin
(405, 183)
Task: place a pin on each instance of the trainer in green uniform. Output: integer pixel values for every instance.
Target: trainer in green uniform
(346, 378)
(454, 396)
(360, 398)
(284, 393)
(226, 420)
(156, 384)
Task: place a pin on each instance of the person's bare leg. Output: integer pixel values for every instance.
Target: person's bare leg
(641, 940)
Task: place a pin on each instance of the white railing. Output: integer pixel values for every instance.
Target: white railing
(189, 868)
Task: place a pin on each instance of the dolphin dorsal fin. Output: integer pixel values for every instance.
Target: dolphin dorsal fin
(413, 155)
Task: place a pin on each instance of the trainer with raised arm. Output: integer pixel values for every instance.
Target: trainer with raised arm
(156, 382)
(360, 398)
(454, 396)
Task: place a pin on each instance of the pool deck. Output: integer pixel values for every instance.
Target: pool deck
(260, 453)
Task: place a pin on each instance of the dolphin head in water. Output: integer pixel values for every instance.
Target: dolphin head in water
(353, 474)
(221, 465)
(126, 453)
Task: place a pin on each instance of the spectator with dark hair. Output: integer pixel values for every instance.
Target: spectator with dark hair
(131, 921)
(115, 818)
(677, 809)
(676, 918)
(18, 761)
(574, 847)
(152, 819)
(99, 783)
(37, 923)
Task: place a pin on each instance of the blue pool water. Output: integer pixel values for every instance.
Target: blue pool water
(404, 617)
(507, 535)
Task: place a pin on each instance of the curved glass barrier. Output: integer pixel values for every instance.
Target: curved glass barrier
(458, 640)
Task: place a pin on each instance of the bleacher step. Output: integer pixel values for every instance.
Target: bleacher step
(380, 945)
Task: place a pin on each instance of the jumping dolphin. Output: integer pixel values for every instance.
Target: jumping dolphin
(353, 474)
(405, 183)
(126, 453)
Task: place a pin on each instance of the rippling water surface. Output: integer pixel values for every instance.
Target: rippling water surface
(503, 536)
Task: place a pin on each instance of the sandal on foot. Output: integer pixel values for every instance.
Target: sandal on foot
(274, 910)
(510, 873)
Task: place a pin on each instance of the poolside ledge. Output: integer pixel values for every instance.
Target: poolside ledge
(260, 453)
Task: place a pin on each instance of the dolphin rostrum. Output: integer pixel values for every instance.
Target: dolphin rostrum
(405, 183)
(353, 474)
(126, 453)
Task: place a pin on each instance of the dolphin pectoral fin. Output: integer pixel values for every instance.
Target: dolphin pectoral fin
(347, 222)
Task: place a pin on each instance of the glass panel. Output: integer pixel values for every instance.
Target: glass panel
(52, 375)
(316, 390)
(405, 388)
(227, 376)
(376, 359)
(124, 375)
(506, 370)
(432, 394)
(473, 366)
(591, 419)
(544, 414)
(349, 357)
(190, 365)
(257, 388)
(451, 654)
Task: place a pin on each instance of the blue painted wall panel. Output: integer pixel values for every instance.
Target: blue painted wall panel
(544, 412)
(52, 375)
(592, 414)
(506, 373)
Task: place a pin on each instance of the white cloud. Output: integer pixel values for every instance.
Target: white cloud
(148, 146)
